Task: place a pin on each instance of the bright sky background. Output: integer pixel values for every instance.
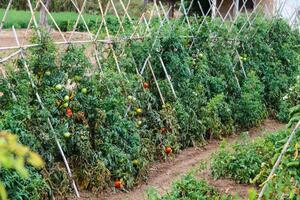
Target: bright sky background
(290, 7)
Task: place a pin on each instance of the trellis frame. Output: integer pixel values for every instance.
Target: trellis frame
(143, 20)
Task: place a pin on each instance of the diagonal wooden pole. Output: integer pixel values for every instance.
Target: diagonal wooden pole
(278, 161)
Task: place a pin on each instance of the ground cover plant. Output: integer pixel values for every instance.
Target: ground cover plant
(112, 122)
(190, 188)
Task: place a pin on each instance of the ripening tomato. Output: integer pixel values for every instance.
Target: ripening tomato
(118, 184)
(139, 110)
(163, 130)
(146, 85)
(135, 162)
(69, 112)
(168, 150)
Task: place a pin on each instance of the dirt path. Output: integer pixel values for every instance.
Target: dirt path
(161, 175)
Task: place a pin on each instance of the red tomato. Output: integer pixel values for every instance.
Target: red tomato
(168, 150)
(163, 130)
(69, 112)
(118, 184)
(146, 85)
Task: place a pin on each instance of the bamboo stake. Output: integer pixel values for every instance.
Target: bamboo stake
(10, 56)
(78, 18)
(108, 35)
(241, 62)
(124, 16)
(50, 15)
(117, 15)
(278, 161)
(33, 18)
(168, 76)
(156, 83)
(102, 21)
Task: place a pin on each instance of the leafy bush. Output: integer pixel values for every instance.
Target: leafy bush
(14, 156)
(113, 120)
(285, 183)
(190, 188)
(243, 162)
(250, 109)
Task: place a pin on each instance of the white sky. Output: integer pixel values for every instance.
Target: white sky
(289, 8)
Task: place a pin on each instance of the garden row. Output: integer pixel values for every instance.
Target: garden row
(250, 162)
(112, 124)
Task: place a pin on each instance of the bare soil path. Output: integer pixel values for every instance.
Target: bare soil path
(162, 174)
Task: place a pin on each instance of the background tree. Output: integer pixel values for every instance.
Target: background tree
(43, 13)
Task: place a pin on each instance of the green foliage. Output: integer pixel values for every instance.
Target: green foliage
(14, 156)
(107, 121)
(285, 183)
(243, 162)
(190, 188)
(250, 110)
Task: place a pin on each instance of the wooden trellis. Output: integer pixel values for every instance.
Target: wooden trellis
(142, 29)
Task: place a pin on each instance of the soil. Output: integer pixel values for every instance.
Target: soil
(162, 174)
(7, 38)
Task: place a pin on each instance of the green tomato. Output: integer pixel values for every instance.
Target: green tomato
(66, 98)
(67, 134)
(84, 91)
(77, 78)
(58, 87)
(66, 105)
(48, 73)
(139, 122)
(130, 98)
(135, 162)
(201, 55)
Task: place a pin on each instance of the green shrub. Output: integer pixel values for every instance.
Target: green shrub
(250, 109)
(243, 162)
(190, 188)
